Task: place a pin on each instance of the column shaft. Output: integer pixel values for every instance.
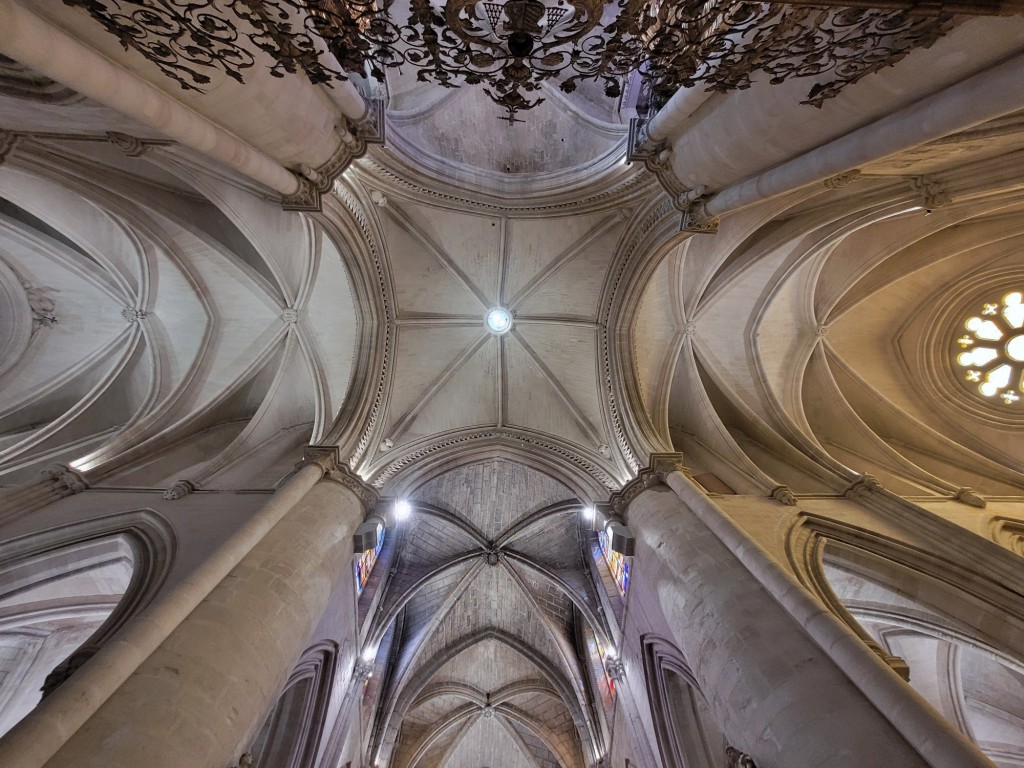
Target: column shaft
(205, 689)
(754, 642)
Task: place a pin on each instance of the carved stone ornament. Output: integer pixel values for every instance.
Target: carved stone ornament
(133, 315)
(737, 759)
(245, 761)
(290, 316)
(934, 193)
(362, 671)
(616, 669)
(178, 490)
(862, 486)
(42, 306)
(696, 218)
(130, 145)
(969, 497)
(367, 494)
(326, 456)
(784, 495)
(840, 180)
(65, 480)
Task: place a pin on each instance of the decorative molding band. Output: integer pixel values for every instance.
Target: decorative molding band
(358, 215)
(614, 194)
(587, 466)
(352, 144)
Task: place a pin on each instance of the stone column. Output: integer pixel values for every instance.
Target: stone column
(205, 689)
(787, 682)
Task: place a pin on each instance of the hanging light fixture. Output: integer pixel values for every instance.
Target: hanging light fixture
(510, 48)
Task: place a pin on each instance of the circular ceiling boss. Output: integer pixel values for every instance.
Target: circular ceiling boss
(991, 352)
(499, 320)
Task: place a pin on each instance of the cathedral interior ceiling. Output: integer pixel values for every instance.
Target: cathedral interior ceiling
(169, 324)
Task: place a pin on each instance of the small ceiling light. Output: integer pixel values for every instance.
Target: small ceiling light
(402, 509)
(369, 654)
(588, 513)
(499, 320)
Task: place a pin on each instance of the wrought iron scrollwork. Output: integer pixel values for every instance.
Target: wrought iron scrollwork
(512, 47)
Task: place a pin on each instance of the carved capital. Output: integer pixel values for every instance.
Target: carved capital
(970, 498)
(737, 759)
(344, 476)
(362, 672)
(659, 467)
(327, 457)
(934, 193)
(352, 142)
(862, 486)
(784, 495)
(65, 480)
(696, 219)
(245, 761)
(305, 198)
(178, 490)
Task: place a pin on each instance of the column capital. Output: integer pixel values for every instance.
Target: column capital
(366, 493)
(660, 465)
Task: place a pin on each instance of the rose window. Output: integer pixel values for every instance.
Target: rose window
(991, 352)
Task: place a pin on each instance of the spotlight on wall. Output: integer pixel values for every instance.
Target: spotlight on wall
(369, 653)
(589, 513)
(402, 509)
(621, 538)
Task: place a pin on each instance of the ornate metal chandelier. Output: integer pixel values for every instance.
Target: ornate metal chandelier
(512, 47)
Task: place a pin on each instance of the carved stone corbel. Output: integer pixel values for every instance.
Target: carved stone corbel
(65, 480)
(970, 498)
(862, 486)
(695, 217)
(738, 759)
(784, 495)
(178, 490)
(933, 192)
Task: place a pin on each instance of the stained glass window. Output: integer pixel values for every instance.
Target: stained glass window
(364, 565)
(991, 352)
(618, 564)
